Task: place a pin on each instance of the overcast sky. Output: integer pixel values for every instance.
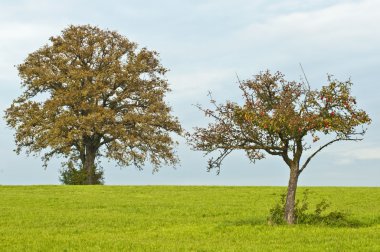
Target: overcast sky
(205, 43)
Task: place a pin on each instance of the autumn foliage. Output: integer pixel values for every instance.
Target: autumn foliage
(92, 93)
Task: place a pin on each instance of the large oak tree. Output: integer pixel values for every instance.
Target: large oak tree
(284, 119)
(92, 93)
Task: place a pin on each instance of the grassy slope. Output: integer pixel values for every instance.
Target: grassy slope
(172, 218)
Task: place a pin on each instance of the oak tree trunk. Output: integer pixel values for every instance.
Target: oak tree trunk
(89, 164)
(290, 217)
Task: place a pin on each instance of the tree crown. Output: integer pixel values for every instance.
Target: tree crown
(276, 117)
(99, 93)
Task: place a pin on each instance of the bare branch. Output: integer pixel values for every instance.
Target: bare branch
(216, 163)
(324, 146)
(308, 84)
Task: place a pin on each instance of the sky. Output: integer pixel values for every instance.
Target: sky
(205, 44)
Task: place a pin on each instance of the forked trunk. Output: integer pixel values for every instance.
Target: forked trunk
(290, 217)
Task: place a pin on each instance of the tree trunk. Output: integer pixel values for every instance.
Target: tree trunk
(89, 164)
(290, 217)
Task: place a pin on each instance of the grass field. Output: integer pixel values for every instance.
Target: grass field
(177, 218)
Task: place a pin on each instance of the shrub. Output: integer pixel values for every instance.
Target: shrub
(73, 176)
(303, 216)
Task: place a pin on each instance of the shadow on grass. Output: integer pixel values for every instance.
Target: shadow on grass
(341, 223)
(244, 222)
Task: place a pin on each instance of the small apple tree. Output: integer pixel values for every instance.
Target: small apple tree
(281, 118)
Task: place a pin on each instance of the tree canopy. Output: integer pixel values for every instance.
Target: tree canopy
(281, 118)
(92, 93)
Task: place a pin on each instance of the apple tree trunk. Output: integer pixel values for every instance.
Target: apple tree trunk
(290, 203)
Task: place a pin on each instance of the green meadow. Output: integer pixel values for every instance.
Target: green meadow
(178, 218)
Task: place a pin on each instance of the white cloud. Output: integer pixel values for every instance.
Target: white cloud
(191, 84)
(345, 155)
(325, 34)
(17, 40)
(363, 153)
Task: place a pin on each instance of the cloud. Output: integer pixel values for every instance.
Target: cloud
(190, 84)
(327, 34)
(363, 154)
(17, 40)
(348, 156)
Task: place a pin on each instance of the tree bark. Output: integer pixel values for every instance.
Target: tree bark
(289, 216)
(89, 164)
